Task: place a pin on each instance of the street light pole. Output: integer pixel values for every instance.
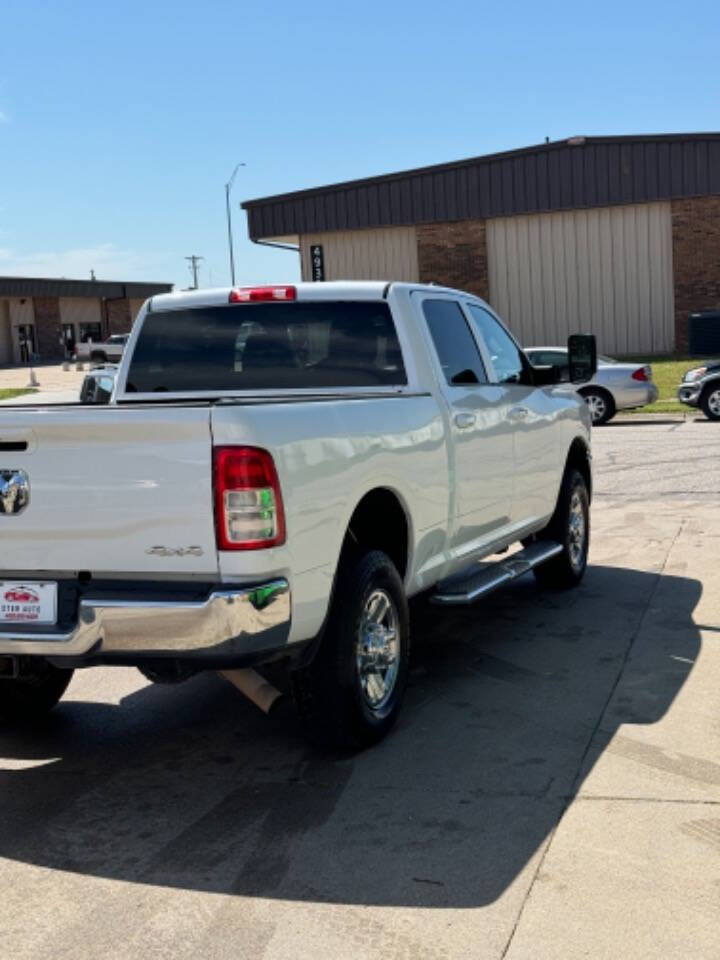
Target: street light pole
(228, 188)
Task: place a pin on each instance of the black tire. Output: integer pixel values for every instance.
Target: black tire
(601, 404)
(567, 569)
(97, 356)
(333, 694)
(710, 401)
(34, 693)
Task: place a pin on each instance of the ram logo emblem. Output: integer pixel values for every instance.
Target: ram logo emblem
(14, 491)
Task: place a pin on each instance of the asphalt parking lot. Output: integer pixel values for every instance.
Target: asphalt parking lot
(552, 790)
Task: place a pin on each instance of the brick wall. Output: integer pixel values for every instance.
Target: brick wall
(47, 327)
(118, 314)
(454, 254)
(696, 260)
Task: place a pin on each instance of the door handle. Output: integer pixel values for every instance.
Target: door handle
(463, 421)
(518, 413)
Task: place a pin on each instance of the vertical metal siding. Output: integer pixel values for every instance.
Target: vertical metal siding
(606, 271)
(381, 254)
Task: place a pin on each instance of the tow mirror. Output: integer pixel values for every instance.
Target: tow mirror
(582, 357)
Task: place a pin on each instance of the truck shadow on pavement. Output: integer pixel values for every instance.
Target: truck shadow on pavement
(510, 704)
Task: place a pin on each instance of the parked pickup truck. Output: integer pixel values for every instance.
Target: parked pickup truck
(110, 349)
(279, 470)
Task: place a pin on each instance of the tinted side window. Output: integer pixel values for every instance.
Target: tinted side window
(505, 355)
(454, 343)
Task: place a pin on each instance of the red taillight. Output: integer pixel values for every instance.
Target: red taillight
(249, 511)
(261, 294)
(642, 373)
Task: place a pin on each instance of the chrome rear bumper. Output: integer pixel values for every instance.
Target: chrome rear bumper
(229, 623)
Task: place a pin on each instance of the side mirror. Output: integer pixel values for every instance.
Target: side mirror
(582, 357)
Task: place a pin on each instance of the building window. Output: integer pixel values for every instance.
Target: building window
(90, 331)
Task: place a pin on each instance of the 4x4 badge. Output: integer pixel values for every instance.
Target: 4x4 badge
(175, 551)
(14, 491)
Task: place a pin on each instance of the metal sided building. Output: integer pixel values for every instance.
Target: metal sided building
(619, 236)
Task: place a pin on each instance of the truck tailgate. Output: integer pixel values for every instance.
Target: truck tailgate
(112, 490)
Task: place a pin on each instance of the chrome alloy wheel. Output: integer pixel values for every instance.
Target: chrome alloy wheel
(577, 530)
(598, 406)
(713, 402)
(377, 652)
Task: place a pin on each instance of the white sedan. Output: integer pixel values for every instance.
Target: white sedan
(615, 386)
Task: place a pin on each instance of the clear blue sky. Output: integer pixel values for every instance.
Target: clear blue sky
(120, 122)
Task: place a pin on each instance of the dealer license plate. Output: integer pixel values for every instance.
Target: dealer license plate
(27, 602)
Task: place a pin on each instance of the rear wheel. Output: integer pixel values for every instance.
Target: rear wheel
(97, 356)
(352, 692)
(710, 402)
(601, 404)
(34, 692)
(570, 527)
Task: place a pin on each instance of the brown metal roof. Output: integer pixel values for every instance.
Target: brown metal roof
(48, 287)
(565, 174)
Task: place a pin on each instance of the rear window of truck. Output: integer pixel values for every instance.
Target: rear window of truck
(267, 346)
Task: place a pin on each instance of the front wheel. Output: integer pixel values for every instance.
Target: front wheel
(352, 692)
(569, 526)
(710, 402)
(34, 692)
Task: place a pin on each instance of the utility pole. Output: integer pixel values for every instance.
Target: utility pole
(228, 188)
(194, 266)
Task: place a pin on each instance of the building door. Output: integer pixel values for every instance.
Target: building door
(26, 342)
(606, 271)
(68, 339)
(6, 351)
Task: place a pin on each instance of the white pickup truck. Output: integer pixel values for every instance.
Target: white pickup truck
(279, 470)
(111, 349)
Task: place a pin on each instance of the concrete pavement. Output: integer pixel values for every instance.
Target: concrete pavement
(54, 385)
(552, 790)
(50, 377)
